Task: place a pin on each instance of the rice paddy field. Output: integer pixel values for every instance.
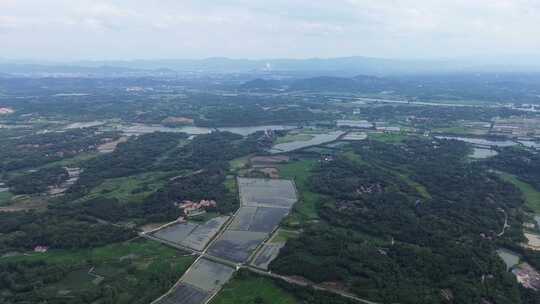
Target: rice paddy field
(260, 192)
(266, 254)
(192, 235)
(237, 246)
(264, 204)
(203, 279)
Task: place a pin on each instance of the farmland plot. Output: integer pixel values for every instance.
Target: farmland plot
(184, 294)
(208, 275)
(237, 246)
(202, 280)
(192, 235)
(267, 192)
(175, 233)
(264, 203)
(266, 254)
(243, 219)
(267, 219)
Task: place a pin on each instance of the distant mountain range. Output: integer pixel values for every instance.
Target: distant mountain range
(323, 83)
(502, 87)
(345, 66)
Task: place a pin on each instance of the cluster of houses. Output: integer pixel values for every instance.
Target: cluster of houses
(41, 249)
(527, 276)
(5, 111)
(192, 208)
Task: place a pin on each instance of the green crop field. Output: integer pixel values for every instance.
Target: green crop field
(532, 196)
(5, 197)
(306, 208)
(294, 137)
(132, 188)
(248, 289)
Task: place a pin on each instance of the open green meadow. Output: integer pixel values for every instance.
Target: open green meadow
(531, 195)
(246, 288)
(5, 198)
(133, 188)
(299, 171)
(294, 137)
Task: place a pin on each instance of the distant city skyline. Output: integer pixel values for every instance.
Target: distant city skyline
(160, 29)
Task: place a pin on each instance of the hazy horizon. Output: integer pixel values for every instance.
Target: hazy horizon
(62, 30)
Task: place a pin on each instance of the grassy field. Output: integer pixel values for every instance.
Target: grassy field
(231, 185)
(282, 235)
(239, 163)
(5, 198)
(294, 137)
(306, 208)
(139, 271)
(532, 196)
(74, 161)
(246, 288)
(132, 188)
(140, 248)
(419, 187)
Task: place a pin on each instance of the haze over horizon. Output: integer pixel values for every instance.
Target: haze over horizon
(410, 29)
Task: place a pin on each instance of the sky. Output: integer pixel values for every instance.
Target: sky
(160, 29)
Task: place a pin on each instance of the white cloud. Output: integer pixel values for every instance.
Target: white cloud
(258, 28)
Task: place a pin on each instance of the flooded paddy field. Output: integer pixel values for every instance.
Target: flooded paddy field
(192, 235)
(267, 254)
(243, 219)
(140, 129)
(481, 153)
(184, 294)
(267, 192)
(258, 219)
(267, 219)
(245, 131)
(202, 280)
(317, 139)
(237, 246)
(208, 275)
(175, 233)
(481, 141)
(202, 234)
(264, 204)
